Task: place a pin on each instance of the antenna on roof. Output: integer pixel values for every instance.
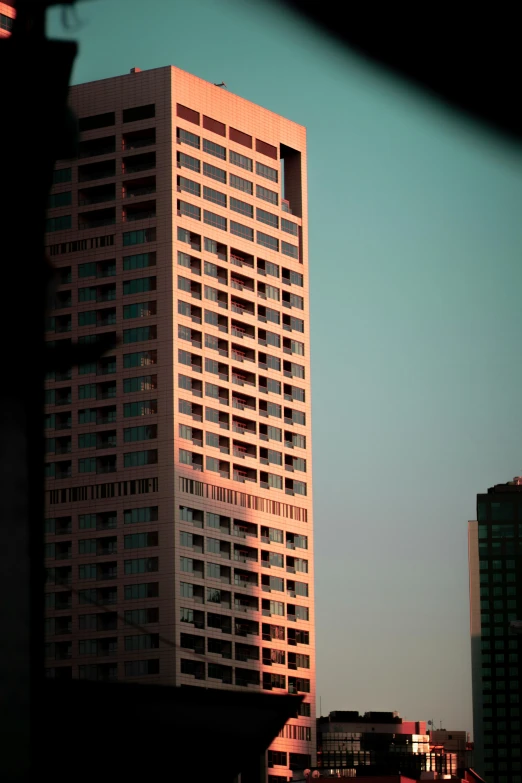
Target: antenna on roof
(221, 84)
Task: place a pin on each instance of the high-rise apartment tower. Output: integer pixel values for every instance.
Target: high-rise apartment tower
(495, 577)
(179, 487)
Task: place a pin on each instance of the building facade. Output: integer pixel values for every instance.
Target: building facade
(495, 579)
(7, 15)
(179, 487)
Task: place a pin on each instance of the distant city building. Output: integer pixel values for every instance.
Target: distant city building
(381, 743)
(455, 743)
(466, 776)
(495, 579)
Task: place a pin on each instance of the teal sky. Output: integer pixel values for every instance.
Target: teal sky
(416, 280)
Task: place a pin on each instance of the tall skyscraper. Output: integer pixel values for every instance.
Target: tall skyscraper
(179, 486)
(495, 578)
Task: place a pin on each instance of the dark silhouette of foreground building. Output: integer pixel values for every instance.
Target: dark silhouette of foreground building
(126, 731)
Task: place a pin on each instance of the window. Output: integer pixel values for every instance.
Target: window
(267, 195)
(212, 148)
(212, 366)
(87, 391)
(185, 457)
(267, 241)
(289, 227)
(277, 758)
(62, 175)
(139, 310)
(275, 457)
(241, 184)
(141, 565)
(188, 162)
(139, 285)
(140, 383)
(214, 220)
(267, 217)
(60, 223)
(146, 514)
(295, 324)
(211, 414)
(212, 295)
(274, 481)
(242, 231)
(240, 160)
(272, 339)
(87, 465)
(185, 432)
(142, 668)
(139, 113)
(273, 362)
(139, 261)
(190, 210)
(214, 173)
(87, 440)
(295, 301)
(297, 347)
(139, 359)
(242, 207)
(211, 390)
(132, 434)
(212, 464)
(135, 459)
(60, 199)
(139, 334)
(215, 196)
(139, 540)
(273, 409)
(185, 137)
(143, 590)
(266, 171)
(210, 269)
(189, 186)
(138, 237)
(270, 315)
(212, 439)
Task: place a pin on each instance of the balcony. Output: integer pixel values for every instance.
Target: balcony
(242, 330)
(97, 218)
(93, 171)
(145, 210)
(242, 306)
(134, 140)
(241, 259)
(137, 163)
(245, 529)
(243, 450)
(242, 403)
(94, 147)
(242, 283)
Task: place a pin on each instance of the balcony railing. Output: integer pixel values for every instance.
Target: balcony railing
(134, 168)
(143, 191)
(137, 143)
(97, 223)
(147, 215)
(93, 153)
